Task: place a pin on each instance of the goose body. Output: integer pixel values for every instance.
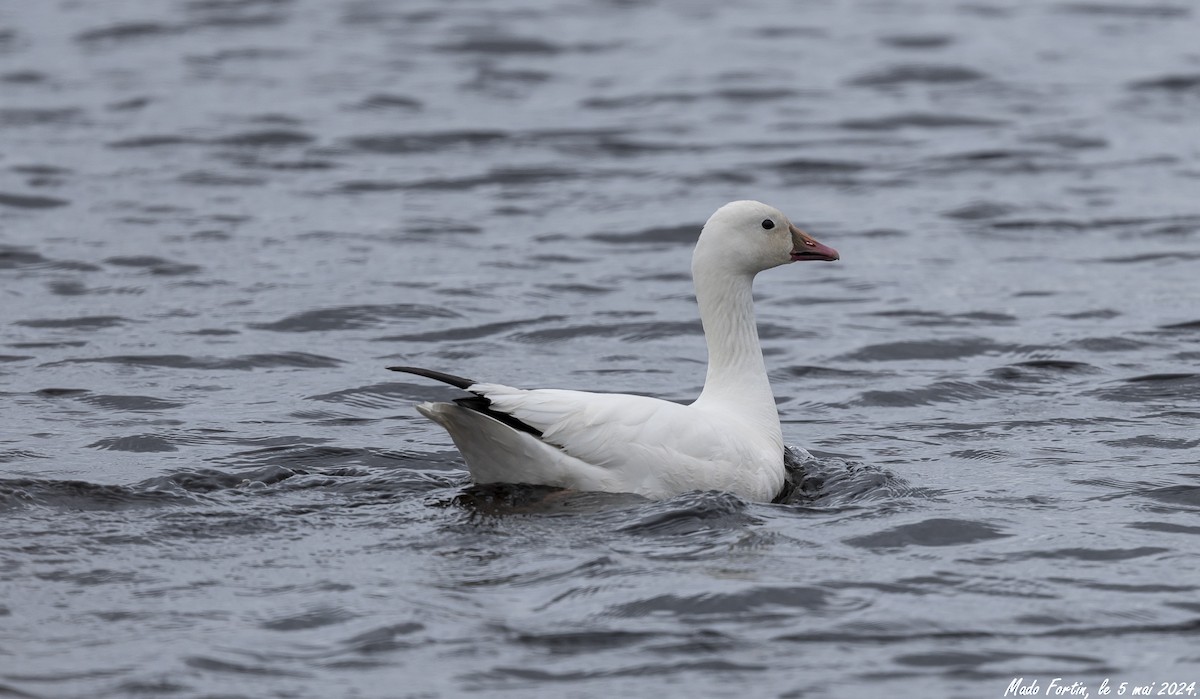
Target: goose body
(729, 439)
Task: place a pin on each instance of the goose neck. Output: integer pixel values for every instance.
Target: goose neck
(737, 374)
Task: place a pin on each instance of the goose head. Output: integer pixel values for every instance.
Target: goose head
(749, 237)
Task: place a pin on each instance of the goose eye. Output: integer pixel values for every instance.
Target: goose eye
(768, 224)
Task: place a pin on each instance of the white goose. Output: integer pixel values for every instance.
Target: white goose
(729, 439)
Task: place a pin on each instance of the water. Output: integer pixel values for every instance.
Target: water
(221, 219)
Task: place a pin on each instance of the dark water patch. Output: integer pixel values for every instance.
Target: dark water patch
(910, 636)
(300, 360)
(1186, 495)
(310, 619)
(960, 661)
(504, 46)
(510, 83)
(758, 603)
(89, 578)
(15, 117)
(992, 455)
(387, 101)
(1190, 325)
(817, 171)
(1122, 587)
(1149, 257)
(1166, 527)
(129, 104)
(427, 142)
(1098, 314)
(929, 533)
(123, 32)
(31, 201)
(936, 392)
(48, 345)
(206, 178)
(671, 235)
(82, 323)
(1108, 344)
(618, 146)
(438, 226)
(1041, 370)
(1076, 554)
(1152, 387)
(920, 73)
(747, 95)
(247, 54)
(577, 289)
(1049, 225)
(9, 38)
(575, 642)
(632, 332)
(15, 455)
(978, 210)
(1125, 10)
(131, 403)
(824, 372)
(757, 94)
(918, 120)
(1000, 161)
(154, 141)
(234, 14)
(83, 496)
(61, 392)
(353, 317)
(76, 288)
(269, 138)
(502, 177)
(369, 186)
(511, 677)
(472, 332)
(1070, 141)
(384, 639)
(253, 160)
(153, 265)
(138, 443)
(917, 350)
(915, 317)
(721, 177)
(202, 525)
(41, 170)
(1169, 83)
(14, 357)
(917, 41)
(15, 257)
(1141, 226)
(1153, 442)
(272, 138)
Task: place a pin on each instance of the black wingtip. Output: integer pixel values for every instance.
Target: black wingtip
(455, 381)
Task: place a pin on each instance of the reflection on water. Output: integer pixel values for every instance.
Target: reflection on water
(221, 219)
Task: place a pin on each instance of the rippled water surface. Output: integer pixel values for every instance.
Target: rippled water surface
(221, 219)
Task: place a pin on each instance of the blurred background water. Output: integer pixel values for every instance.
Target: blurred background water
(221, 219)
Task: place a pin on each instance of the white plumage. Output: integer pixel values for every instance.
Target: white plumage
(729, 439)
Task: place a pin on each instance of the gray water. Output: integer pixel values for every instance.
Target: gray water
(221, 219)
